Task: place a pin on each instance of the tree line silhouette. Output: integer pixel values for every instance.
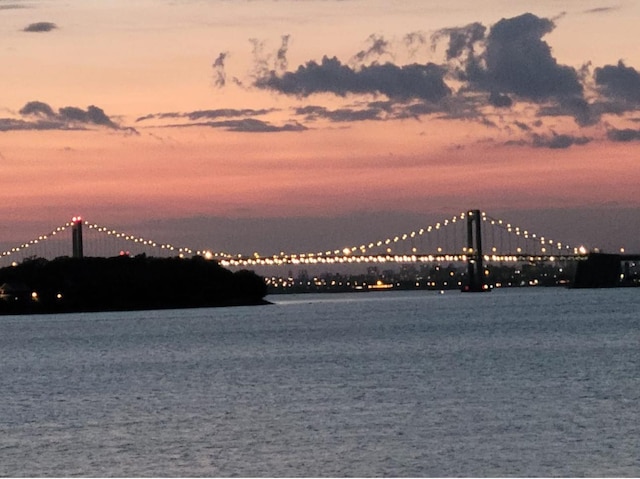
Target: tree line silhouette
(69, 284)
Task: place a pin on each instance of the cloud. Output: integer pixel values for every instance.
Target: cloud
(40, 27)
(331, 76)
(601, 10)
(509, 62)
(502, 76)
(37, 108)
(260, 59)
(12, 124)
(264, 62)
(623, 135)
(230, 119)
(37, 115)
(461, 39)
(209, 114)
(12, 6)
(511, 59)
(281, 55)
(340, 115)
(218, 67)
(226, 112)
(499, 100)
(513, 64)
(92, 115)
(379, 47)
(413, 41)
(619, 81)
(246, 125)
(518, 61)
(522, 126)
(557, 141)
(372, 111)
(583, 113)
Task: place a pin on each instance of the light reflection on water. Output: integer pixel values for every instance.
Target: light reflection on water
(533, 382)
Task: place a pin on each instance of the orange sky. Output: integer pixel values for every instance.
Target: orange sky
(411, 155)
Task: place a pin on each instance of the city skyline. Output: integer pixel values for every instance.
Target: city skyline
(244, 122)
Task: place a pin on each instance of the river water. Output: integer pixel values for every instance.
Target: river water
(529, 382)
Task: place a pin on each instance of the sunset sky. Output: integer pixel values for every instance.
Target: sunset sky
(263, 125)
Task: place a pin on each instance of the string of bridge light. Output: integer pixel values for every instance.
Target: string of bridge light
(181, 251)
(139, 240)
(345, 255)
(313, 259)
(40, 239)
(363, 248)
(516, 230)
(527, 235)
(331, 255)
(332, 260)
(358, 253)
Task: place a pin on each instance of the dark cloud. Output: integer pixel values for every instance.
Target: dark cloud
(218, 67)
(152, 116)
(372, 111)
(511, 59)
(518, 61)
(312, 113)
(601, 10)
(377, 48)
(226, 112)
(40, 27)
(497, 66)
(12, 124)
(499, 100)
(460, 39)
(556, 141)
(413, 41)
(513, 62)
(266, 62)
(281, 55)
(516, 143)
(92, 115)
(331, 76)
(623, 135)
(208, 114)
(246, 125)
(583, 113)
(510, 62)
(12, 6)
(253, 125)
(38, 115)
(619, 81)
(416, 110)
(224, 118)
(260, 59)
(37, 108)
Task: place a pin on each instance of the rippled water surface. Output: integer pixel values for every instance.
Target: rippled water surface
(535, 382)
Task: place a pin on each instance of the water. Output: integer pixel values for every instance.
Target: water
(534, 382)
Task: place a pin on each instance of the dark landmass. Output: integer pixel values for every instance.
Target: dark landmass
(124, 283)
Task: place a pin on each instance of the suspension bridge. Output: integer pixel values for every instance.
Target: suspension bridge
(472, 237)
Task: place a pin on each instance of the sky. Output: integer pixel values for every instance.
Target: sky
(296, 125)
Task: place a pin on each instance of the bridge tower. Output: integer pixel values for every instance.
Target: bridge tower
(475, 269)
(76, 234)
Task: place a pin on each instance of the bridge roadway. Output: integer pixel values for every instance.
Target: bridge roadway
(392, 258)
